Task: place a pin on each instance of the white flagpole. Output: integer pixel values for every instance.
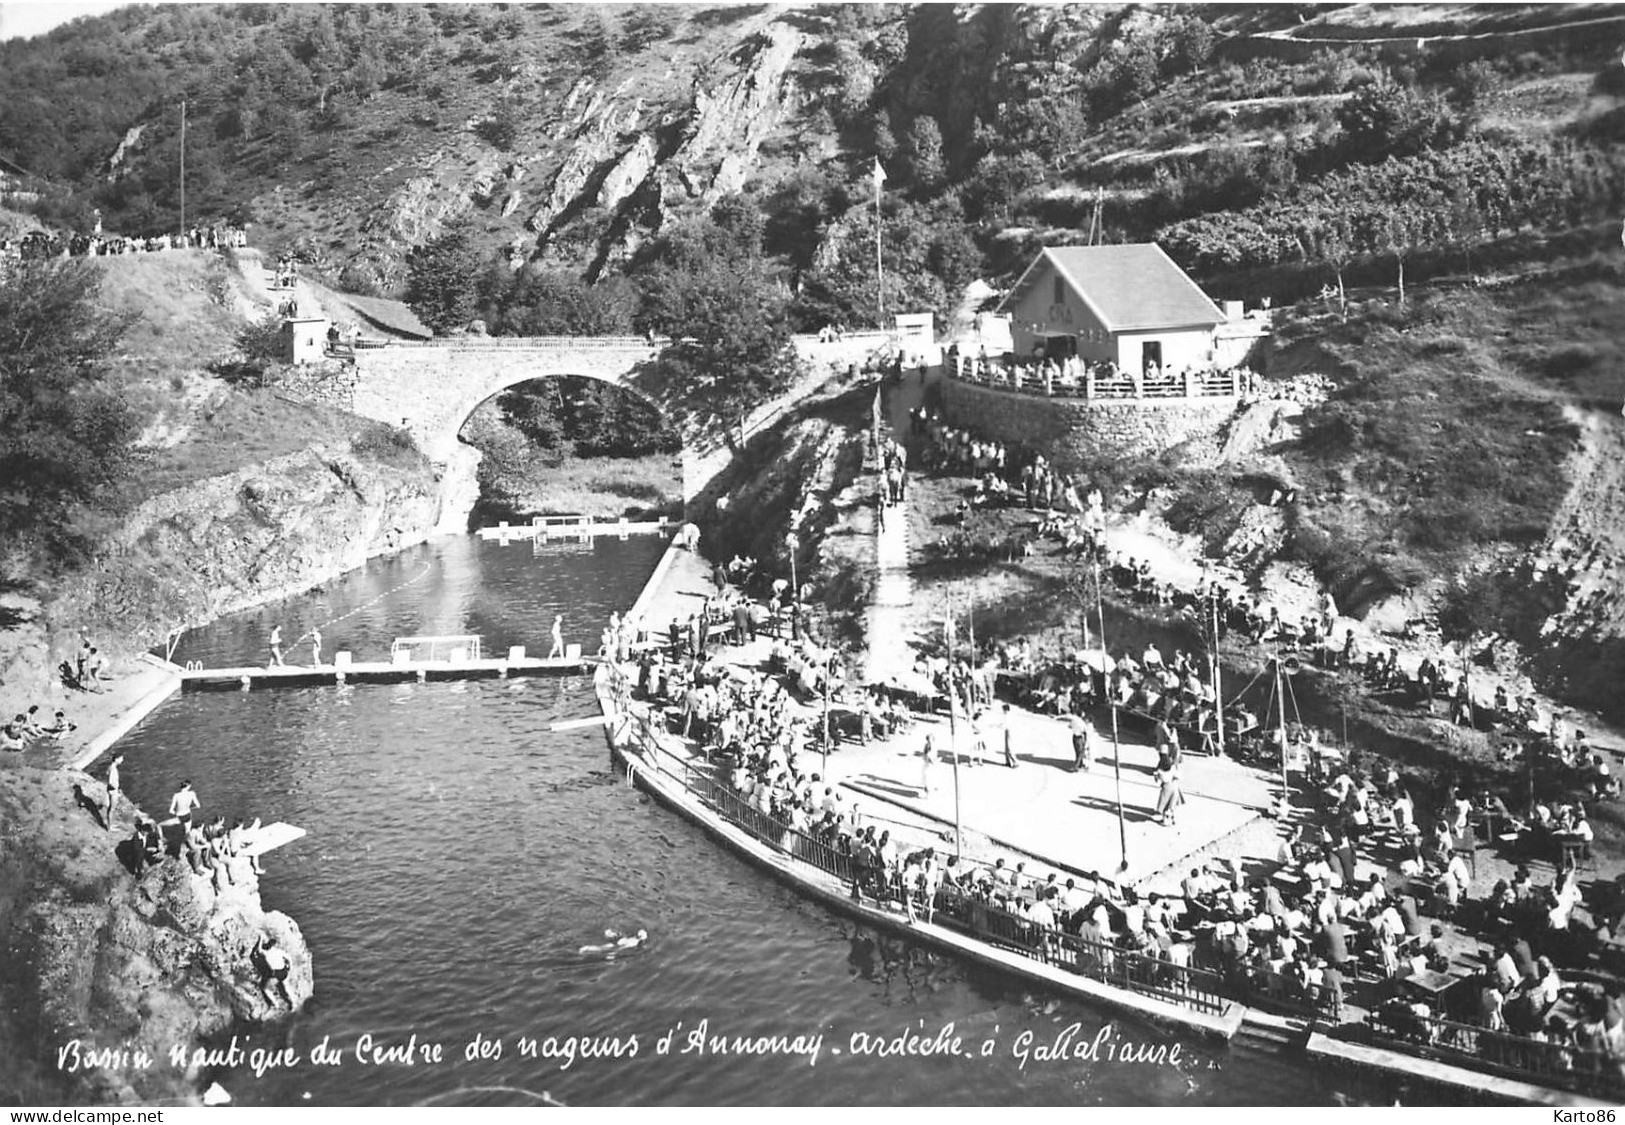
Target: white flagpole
(880, 281)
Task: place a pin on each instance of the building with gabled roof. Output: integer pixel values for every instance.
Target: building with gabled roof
(1129, 305)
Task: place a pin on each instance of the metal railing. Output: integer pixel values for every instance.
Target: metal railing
(482, 343)
(1095, 385)
(1136, 972)
(1517, 1056)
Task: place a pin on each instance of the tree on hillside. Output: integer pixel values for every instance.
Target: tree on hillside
(1389, 119)
(64, 433)
(545, 302)
(441, 276)
(922, 150)
(710, 288)
(1326, 238)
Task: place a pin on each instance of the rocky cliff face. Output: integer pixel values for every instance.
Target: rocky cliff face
(251, 536)
(98, 964)
(607, 166)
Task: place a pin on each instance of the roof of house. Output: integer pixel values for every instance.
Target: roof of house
(1131, 287)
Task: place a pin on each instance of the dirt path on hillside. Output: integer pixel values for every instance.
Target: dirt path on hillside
(1587, 538)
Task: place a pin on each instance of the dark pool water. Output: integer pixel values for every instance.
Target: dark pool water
(459, 855)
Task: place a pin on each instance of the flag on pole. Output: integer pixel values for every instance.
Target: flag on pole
(879, 174)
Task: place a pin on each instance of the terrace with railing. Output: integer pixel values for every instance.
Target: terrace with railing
(1096, 381)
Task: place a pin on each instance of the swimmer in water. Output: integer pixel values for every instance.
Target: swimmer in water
(617, 942)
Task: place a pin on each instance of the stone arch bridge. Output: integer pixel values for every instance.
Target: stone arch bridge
(431, 388)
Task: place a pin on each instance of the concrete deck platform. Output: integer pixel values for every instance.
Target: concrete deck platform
(1041, 807)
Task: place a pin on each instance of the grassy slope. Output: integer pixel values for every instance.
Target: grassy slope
(1447, 436)
(187, 310)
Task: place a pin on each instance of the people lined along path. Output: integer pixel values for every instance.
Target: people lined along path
(41, 245)
(1074, 377)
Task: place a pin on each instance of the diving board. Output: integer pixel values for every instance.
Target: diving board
(258, 841)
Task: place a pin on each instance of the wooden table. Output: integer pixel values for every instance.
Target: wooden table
(1433, 983)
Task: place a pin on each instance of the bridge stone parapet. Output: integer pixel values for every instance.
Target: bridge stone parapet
(431, 389)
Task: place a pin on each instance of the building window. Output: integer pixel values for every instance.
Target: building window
(1060, 292)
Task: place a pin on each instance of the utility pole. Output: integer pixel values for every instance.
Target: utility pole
(183, 171)
(1218, 694)
(1280, 704)
(1117, 750)
(953, 731)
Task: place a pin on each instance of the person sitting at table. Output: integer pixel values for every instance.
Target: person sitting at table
(1499, 904)
(1286, 855)
(1433, 949)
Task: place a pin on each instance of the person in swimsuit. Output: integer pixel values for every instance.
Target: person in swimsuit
(273, 966)
(617, 942)
(112, 788)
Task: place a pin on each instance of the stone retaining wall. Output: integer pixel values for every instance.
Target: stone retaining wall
(1071, 430)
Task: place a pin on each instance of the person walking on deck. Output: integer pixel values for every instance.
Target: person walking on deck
(1083, 742)
(1169, 795)
(927, 760)
(557, 650)
(316, 648)
(276, 646)
(1009, 746)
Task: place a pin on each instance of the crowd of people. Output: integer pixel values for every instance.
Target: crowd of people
(1307, 936)
(42, 245)
(1074, 376)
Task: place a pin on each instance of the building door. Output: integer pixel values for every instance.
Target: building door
(1151, 356)
(1060, 347)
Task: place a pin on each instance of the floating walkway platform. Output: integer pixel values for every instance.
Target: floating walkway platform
(382, 672)
(573, 527)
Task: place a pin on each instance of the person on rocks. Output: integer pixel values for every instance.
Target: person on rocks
(112, 788)
(273, 968)
(183, 804)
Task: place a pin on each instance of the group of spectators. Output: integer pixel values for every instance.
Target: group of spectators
(1073, 376)
(29, 726)
(1306, 936)
(41, 245)
(208, 847)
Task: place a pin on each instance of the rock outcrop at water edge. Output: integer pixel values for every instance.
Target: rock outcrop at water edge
(99, 965)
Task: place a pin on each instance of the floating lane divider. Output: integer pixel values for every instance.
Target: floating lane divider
(380, 672)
